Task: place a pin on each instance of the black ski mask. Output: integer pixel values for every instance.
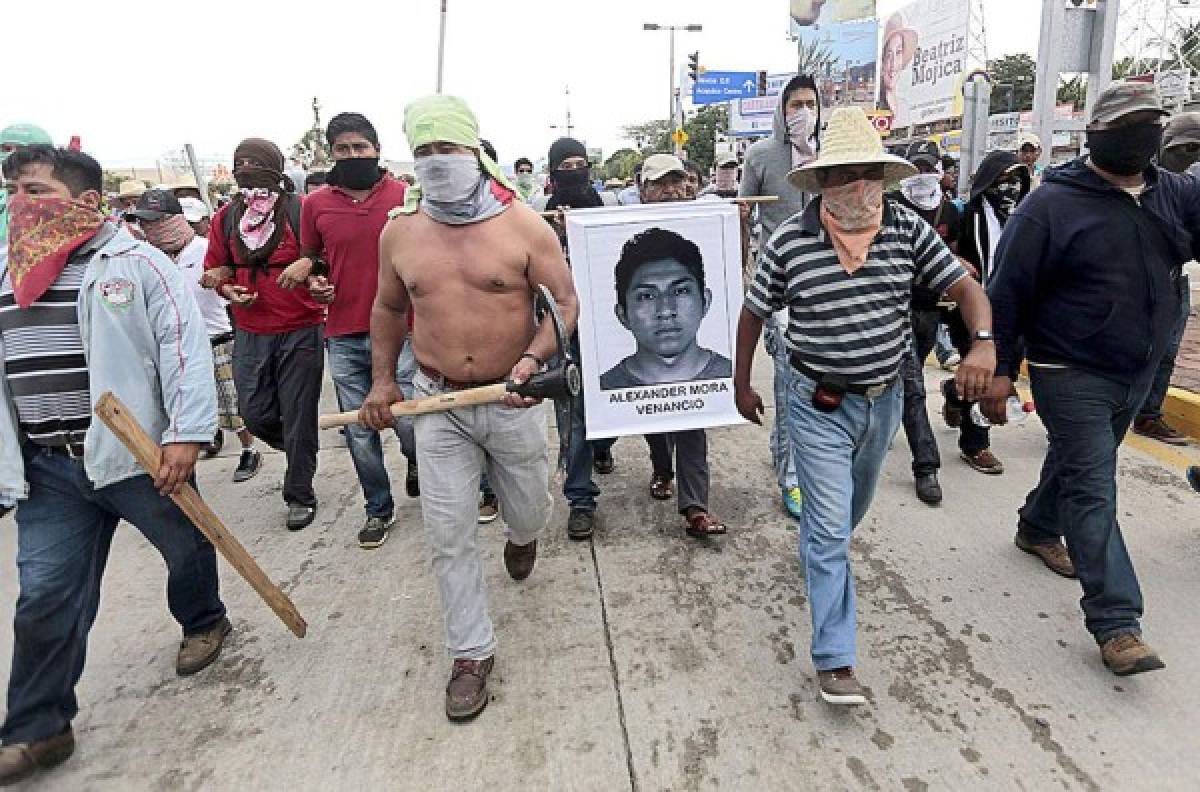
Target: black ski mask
(1127, 150)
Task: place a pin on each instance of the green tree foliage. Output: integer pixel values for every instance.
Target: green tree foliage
(621, 164)
(649, 136)
(1012, 83)
(702, 130)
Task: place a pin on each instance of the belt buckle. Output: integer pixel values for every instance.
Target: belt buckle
(71, 453)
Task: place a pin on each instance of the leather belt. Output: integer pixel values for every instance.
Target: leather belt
(870, 391)
(443, 381)
(224, 338)
(71, 450)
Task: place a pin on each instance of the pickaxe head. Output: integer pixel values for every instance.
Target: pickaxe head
(562, 382)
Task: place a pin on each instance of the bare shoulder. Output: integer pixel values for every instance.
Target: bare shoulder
(398, 228)
(524, 218)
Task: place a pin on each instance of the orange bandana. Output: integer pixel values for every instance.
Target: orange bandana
(851, 246)
(43, 232)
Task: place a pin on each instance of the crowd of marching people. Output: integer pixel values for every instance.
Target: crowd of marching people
(206, 318)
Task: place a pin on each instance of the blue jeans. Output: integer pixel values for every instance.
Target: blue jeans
(350, 366)
(1152, 407)
(1086, 418)
(781, 451)
(64, 530)
(579, 488)
(838, 457)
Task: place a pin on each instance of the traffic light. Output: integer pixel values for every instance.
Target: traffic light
(762, 83)
(694, 69)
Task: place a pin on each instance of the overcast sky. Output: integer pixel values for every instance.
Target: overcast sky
(136, 79)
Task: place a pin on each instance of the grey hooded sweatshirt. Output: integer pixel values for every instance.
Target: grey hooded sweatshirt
(765, 173)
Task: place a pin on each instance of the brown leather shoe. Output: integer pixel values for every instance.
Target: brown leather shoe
(467, 695)
(840, 686)
(198, 651)
(1160, 430)
(21, 760)
(1053, 555)
(661, 487)
(519, 559)
(984, 461)
(1126, 654)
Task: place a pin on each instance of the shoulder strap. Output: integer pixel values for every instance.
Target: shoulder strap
(293, 215)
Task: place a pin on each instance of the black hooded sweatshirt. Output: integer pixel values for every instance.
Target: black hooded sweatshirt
(973, 242)
(1087, 274)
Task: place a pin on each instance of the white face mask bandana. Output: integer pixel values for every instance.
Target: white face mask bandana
(455, 190)
(924, 190)
(800, 131)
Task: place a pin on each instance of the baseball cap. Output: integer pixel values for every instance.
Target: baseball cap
(1181, 129)
(1124, 97)
(923, 151)
(1028, 139)
(728, 158)
(658, 165)
(155, 205)
(194, 210)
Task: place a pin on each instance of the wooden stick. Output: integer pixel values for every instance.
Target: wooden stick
(121, 422)
(441, 402)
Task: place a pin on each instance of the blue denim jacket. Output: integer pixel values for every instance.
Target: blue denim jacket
(145, 341)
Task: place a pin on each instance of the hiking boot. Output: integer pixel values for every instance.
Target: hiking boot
(1160, 430)
(580, 524)
(984, 461)
(466, 694)
(603, 462)
(375, 532)
(412, 480)
(793, 502)
(839, 686)
(1054, 555)
(661, 487)
(928, 489)
(1126, 654)
(197, 651)
(489, 509)
(519, 559)
(214, 448)
(300, 516)
(248, 465)
(18, 761)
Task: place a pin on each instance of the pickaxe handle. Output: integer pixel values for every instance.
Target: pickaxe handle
(441, 402)
(121, 422)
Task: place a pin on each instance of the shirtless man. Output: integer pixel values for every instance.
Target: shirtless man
(464, 258)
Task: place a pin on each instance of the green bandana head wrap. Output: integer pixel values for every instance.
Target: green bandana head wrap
(444, 119)
(22, 135)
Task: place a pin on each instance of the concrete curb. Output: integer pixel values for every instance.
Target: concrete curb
(1182, 410)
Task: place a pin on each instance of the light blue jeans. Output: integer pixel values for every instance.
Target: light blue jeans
(781, 446)
(350, 367)
(838, 456)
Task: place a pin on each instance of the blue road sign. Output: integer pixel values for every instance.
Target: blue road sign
(722, 86)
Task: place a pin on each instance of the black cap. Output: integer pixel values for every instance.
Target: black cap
(155, 205)
(925, 151)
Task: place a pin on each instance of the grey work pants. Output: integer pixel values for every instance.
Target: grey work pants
(452, 448)
(278, 379)
(690, 451)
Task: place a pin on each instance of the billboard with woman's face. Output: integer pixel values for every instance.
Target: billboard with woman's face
(923, 60)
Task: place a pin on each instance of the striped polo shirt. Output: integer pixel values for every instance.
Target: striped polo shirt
(856, 326)
(44, 362)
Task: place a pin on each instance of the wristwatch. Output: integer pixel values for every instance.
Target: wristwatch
(984, 335)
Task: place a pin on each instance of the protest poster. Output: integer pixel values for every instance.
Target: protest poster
(660, 289)
(809, 13)
(923, 60)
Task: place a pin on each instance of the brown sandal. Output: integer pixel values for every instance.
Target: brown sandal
(702, 525)
(661, 488)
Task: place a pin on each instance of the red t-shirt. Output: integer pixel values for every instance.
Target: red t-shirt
(277, 310)
(345, 232)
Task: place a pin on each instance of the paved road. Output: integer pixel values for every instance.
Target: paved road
(645, 660)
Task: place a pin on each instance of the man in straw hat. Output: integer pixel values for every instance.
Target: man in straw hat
(128, 193)
(463, 257)
(1087, 273)
(845, 270)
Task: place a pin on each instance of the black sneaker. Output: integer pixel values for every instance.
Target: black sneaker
(214, 448)
(248, 465)
(580, 524)
(375, 532)
(300, 516)
(603, 463)
(412, 481)
(928, 489)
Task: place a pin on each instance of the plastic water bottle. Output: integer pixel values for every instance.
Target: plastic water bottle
(1016, 410)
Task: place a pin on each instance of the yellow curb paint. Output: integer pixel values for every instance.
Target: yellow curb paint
(1182, 409)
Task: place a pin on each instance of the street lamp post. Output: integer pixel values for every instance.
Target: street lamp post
(441, 47)
(673, 95)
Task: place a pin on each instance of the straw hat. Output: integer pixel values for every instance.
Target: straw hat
(850, 139)
(185, 182)
(131, 188)
(896, 27)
